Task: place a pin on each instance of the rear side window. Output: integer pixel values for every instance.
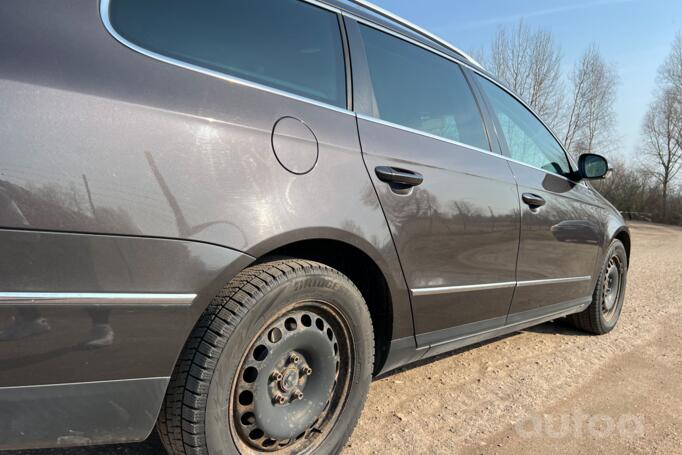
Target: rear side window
(421, 90)
(285, 44)
(527, 138)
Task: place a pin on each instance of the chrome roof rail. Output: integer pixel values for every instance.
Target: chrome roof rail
(415, 28)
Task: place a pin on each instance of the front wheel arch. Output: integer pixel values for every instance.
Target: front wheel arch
(624, 236)
(593, 319)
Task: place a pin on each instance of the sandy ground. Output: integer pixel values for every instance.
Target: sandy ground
(544, 390)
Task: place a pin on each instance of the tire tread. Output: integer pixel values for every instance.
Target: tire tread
(590, 320)
(180, 425)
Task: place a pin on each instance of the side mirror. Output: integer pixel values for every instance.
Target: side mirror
(592, 166)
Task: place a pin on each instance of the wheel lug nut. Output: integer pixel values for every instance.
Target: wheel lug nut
(298, 394)
(307, 370)
(277, 376)
(279, 398)
(294, 358)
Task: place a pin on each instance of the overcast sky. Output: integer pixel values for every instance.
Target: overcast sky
(635, 35)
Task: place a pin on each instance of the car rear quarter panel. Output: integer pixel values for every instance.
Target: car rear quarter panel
(75, 372)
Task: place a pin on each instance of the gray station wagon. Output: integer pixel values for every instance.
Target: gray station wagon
(223, 218)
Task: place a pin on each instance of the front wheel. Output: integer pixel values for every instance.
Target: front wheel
(607, 300)
(280, 362)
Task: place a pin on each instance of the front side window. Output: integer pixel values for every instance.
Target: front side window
(528, 140)
(285, 44)
(421, 90)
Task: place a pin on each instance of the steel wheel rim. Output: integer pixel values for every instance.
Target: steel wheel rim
(612, 286)
(255, 427)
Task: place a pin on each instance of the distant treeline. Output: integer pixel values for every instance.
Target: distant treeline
(579, 106)
(639, 196)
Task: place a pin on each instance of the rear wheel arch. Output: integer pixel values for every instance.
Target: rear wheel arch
(362, 270)
(351, 255)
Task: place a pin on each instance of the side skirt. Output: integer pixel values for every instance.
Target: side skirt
(404, 351)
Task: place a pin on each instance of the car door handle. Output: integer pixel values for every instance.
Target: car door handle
(533, 200)
(400, 176)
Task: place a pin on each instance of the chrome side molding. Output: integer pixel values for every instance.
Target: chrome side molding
(467, 288)
(94, 298)
(488, 286)
(553, 281)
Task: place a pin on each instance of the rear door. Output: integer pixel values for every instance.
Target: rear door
(560, 220)
(450, 200)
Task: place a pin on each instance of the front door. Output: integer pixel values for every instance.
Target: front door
(560, 227)
(450, 202)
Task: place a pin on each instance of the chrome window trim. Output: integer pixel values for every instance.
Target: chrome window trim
(104, 15)
(571, 164)
(490, 286)
(415, 28)
(324, 5)
(553, 174)
(539, 119)
(95, 298)
(369, 118)
(399, 35)
(478, 71)
(397, 126)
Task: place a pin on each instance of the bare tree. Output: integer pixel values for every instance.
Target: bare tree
(590, 115)
(529, 62)
(662, 146)
(670, 73)
(662, 128)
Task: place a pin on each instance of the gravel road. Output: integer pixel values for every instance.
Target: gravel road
(544, 390)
